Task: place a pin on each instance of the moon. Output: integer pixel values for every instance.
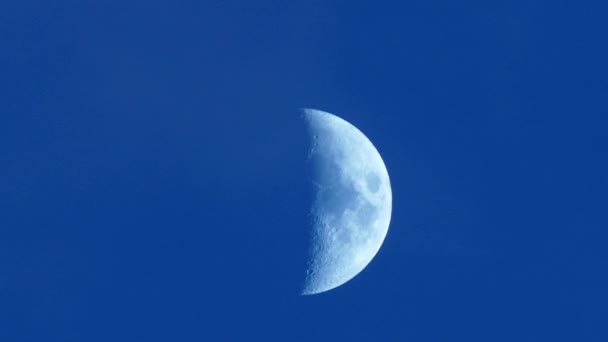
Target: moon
(352, 202)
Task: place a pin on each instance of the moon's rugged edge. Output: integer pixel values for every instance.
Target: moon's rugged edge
(351, 210)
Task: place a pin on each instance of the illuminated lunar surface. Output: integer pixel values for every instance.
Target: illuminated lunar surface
(351, 209)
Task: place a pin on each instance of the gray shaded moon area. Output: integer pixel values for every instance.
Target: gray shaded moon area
(352, 202)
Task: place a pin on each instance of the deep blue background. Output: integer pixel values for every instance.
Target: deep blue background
(152, 168)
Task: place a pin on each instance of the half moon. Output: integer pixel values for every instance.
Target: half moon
(351, 208)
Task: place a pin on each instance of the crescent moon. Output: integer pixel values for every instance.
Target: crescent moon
(351, 208)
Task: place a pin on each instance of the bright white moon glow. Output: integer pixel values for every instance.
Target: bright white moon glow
(352, 206)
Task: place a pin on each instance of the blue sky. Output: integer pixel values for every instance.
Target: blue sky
(152, 168)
